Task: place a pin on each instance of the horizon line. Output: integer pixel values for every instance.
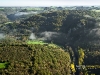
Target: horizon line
(52, 6)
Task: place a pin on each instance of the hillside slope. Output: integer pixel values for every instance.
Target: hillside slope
(77, 27)
(34, 60)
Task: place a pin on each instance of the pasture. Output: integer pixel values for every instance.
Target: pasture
(42, 43)
(36, 42)
(3, 65)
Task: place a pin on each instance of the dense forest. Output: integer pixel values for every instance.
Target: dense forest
(24, 59)
(76, 32)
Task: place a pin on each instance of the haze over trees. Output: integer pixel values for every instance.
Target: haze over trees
(75, 32)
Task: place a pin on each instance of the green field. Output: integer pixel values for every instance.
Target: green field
(96, 10)
(3, 65)
(36, 42)
(42, 43)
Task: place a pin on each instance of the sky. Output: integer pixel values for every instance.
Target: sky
(49, 2)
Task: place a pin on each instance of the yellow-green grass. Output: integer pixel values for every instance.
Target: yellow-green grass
(42, 43)
(3, 65)
(36, 42)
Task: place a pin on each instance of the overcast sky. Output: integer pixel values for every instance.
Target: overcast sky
(49, 2)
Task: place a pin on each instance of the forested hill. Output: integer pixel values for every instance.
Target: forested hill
(26, 59)
(77, 31)
(79, 26)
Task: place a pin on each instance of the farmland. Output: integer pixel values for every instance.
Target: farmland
(3, 65)
(36, 42)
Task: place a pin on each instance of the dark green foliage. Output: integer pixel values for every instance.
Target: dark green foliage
(76, 24)
(77, 28)
(92, 57)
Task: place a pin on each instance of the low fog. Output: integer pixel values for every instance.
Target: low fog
(24, 13)
(32, 36)
(56, 37)
(2, 36)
